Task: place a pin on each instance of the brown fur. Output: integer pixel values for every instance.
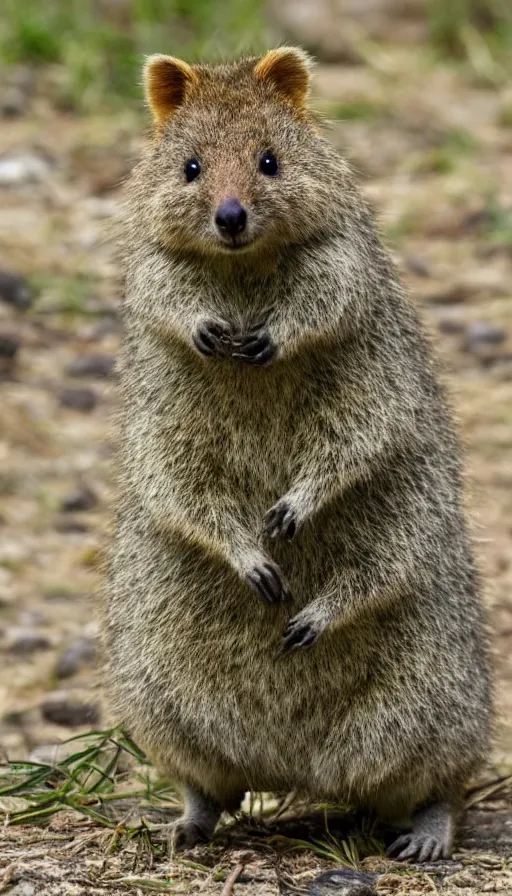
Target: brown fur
(346, 430)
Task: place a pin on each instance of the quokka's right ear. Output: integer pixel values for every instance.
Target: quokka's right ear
(166, 80)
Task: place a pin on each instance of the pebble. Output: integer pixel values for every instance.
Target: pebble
(80, 499)
(13, 102)
(8, 350)
(24, 888)
(61, 709)
(109, 326)
(501, 366)
(23, 642)
(18, 90)
(8, 347)
(31, 617)
(22, 168)
(79, 655)
(15, 290)
(343, 882)
(62, 522)
(481, 332)
(451, 326)
(61, 595)
(418, 266)
(99, 366)
(79, 399)
(458, 292)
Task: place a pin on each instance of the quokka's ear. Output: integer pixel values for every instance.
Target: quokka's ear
(288, 68)
(166, 80)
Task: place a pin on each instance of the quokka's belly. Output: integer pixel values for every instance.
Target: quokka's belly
(200, 678)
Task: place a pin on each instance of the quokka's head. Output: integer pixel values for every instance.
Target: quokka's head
(238, 163)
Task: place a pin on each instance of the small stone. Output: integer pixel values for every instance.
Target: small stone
(8, 347)
(79, 399)
(23, 642)
(60, 595)
(501, 366)
(15, 290)
(343, 882)
(13, 102)
(80, 655)
(62, 709)
(418, 266)
(81, 499)
(46, 754)
(451, 326)
(22, 168)
(109, 326)
(98, 366)
(24, 888)
(458, 292)
(481, 331)
(64, 523)
(8, 350)
(30, 618)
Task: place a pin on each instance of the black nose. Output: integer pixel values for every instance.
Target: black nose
(231, 217)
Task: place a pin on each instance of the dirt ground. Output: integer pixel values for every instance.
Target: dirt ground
(434, 153)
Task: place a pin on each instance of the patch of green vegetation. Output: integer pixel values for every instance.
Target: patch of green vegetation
(62, 293)
(13, 564)
(478, 32)
(10, 484)
(407, 223)
(349, 851)
(443, 159)
(360, 109)
(99, 46)
(505, 116)
(461, 141)
(46, 498)
(498, 223)
(106, 769)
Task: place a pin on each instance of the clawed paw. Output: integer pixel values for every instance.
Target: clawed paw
(301, 632)
(268, 581)
(421, 847)
(254, 347)
(281, 520)
(213, 338)
(217, 338)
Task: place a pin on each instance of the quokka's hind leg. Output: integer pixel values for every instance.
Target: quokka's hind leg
(200, 816)
(198, 821)
(431, 837)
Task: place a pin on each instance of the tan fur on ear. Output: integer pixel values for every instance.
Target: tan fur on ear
(166, 80)
(288, 69)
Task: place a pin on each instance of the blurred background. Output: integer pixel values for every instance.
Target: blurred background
(419, 98)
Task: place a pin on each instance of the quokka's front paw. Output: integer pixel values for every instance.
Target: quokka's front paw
(281, 520)
(302, 631)
(254, 347)
(267, 580)
(213, 338)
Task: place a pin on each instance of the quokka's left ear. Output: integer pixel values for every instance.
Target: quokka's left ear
(166, 81)
(289, 70)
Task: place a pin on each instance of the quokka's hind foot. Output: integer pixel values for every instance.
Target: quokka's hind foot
(198, 821)
(186, 834)
(431, 837)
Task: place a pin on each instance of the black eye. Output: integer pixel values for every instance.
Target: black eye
(192, 169)
(268, 164)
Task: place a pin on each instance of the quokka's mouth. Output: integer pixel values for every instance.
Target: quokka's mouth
(236, 245)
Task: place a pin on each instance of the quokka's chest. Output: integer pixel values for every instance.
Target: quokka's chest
(235, 425)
